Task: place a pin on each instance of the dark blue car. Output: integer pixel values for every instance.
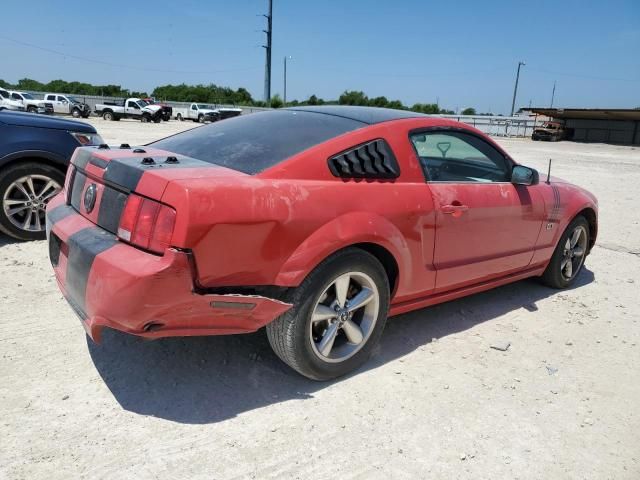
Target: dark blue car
(34, 155)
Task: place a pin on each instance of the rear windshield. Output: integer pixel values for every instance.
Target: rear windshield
(255, 142)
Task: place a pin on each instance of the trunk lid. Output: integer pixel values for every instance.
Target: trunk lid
(102, 179)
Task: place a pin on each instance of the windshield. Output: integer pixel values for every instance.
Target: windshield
(27, 96)
(252, 143)
(204, 106)
(73, 100)
(141, 103)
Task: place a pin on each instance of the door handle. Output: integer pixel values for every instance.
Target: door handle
(456, 209)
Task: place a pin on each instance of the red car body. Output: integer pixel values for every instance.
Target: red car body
(240, 239)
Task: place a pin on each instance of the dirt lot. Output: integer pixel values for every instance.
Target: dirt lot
(435, 402)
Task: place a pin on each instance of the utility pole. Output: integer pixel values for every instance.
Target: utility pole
(285, 79)
(553, 93)
(515, 89)
(267, 47)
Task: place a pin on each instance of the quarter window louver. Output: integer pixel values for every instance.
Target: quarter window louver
(373, 159)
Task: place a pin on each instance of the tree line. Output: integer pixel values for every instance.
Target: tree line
(217, 94)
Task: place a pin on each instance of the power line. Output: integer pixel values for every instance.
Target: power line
(118, 65)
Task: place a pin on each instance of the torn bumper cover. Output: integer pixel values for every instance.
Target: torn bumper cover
(111, 284)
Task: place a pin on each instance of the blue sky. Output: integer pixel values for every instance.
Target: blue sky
(464, 53)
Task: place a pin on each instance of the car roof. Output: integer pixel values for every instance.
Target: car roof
(367, 115)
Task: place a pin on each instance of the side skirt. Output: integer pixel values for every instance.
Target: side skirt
(415, 304)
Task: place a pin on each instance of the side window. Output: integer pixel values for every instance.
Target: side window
(132, 104)
(61, 99)
(194, 107)
(51, 97)
(4, 94)
(15, 96)
(459, 157)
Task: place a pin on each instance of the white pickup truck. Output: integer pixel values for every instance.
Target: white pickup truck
(8, 103)
(202, 112)
(31, 104)
(130, 108)
(66, 104)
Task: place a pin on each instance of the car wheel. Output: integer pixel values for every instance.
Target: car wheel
(157, 120)
(338, 315)
(200, 118)
(32, 109)
(25, 190)
(146, 118)
(568, 257)
(108, 116)
(179, 117)
(75, 113)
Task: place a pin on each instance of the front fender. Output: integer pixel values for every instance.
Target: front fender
(341, 232)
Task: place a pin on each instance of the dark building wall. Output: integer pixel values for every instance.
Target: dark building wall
(605, 131)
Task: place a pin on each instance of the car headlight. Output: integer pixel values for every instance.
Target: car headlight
(86, 139)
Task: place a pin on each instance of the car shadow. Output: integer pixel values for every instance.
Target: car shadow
(197, 380)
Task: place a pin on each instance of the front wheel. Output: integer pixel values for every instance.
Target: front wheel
(32, 109)
(25, 190)
(200, 118)
(146, 118)
(75, 113)
(568, 257)
(338, 315)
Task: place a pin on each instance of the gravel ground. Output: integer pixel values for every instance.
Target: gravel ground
(435, 401)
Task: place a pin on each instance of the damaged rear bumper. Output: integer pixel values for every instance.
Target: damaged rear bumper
(111, 284)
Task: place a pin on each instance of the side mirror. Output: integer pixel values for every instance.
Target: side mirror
(521, 175)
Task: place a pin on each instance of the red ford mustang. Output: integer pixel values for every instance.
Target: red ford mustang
(316, 222)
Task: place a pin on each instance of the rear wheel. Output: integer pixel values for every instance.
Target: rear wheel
(338, 315)
(108, 116)
(179, 117)
(568, 257)
(25, 190)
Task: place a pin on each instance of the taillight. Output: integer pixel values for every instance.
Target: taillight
(147, 224)
(68, 181)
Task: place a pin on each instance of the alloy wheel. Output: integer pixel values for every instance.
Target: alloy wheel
(25, 201)
(344, 317)
(573, 253)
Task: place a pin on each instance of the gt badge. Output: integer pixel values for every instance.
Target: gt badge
(90, 197)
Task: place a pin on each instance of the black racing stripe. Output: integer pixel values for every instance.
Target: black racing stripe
(82, 157)
(124, 174)
(76, 189)
(59, 213)
(98, 162)
(111, 207)
(84, 246)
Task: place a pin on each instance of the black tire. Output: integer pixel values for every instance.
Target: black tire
(146, 118)
(7, 178)
(179, 117)
(108, 116)
(201, 118)
(157, 120)
(32, 109)
(290, 334)
(75, 113)
(553, 275)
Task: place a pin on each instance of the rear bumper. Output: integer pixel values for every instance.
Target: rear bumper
(111, 284)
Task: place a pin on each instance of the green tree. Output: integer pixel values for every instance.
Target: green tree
(353, 98)
(276, 101)
(469, 111)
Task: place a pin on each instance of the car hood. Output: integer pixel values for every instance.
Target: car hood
(22, 119)
(152, 108)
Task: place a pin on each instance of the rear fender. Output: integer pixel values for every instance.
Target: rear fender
(339, 233)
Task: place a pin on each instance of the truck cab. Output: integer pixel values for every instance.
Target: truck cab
(7, 102)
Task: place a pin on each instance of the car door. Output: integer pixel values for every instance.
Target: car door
(52, 100)
(486, 227)
(132, 108)
(194, 111)
(62, 104)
